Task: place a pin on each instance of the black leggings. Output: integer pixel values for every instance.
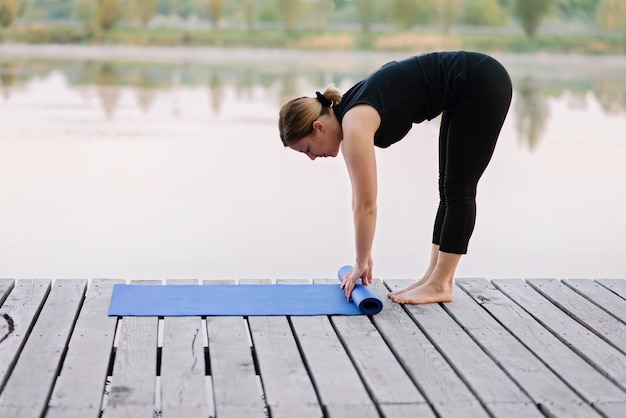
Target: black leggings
(467, 138)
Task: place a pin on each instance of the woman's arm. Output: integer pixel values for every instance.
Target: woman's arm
(357, 147)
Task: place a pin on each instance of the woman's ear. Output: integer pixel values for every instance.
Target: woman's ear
(319, 126)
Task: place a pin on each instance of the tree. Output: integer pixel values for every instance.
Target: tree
(180, 8)
(319, 11)
(144, 11)
(8, 11)
(24, 6)
(530, 13)
(576, 9)
(448, 12)
(108, 13)
(290, 12)
(406, 13)
(85, 10)
(49, 9)
(483, 13)
(611, 14)
(250, 10)
(216, 11)
(366, 14)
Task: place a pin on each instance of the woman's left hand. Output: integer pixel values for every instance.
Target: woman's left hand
(358, 271)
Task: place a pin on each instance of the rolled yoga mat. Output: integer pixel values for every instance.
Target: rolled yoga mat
(362, 296)
(238, 300)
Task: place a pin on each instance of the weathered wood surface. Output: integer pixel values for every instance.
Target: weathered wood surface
(503, 348)
(493, 387)
(606, 358)
(183, 382)
(132, 392)
(25, 394)
(618, 286)
(289, 391)
(78, 390)
(584, 311)
(19, 311)
(590, 384)
(544, 387)
(437, 380)
(601, 296)
(6, 285)
(235, 384)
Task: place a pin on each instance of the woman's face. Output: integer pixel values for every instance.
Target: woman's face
(322, 142)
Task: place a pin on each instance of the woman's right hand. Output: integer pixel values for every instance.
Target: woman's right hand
(361, 271)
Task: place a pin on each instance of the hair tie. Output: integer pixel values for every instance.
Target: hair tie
(323, 100)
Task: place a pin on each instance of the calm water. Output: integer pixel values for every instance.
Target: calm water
(167, 164)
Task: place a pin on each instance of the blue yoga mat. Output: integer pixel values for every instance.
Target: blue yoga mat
(362, 296)
(241, 300)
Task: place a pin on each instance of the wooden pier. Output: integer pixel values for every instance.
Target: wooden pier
(503, 348)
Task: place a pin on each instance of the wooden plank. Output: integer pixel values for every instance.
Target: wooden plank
(388, 383)
(582, 310)
(6, 285)
(339, 386)
(27, 392)
(498, 393)
(235, 383)
(583, 378)
(601, 296)
(19, 311)
(607, 359)
(183, 384)
(544, 387)
(437, 380)
(80, 386)
(7, 326)
(288, 389)
(617, 286)
(132, 392)
(255, 281)
(293, 281)
(614, 410)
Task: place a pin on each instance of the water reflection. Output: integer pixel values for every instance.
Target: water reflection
(531, 108)
(147, 80)
(611, 95)
(215, 87)
(110, 168)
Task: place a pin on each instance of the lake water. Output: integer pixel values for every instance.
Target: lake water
(158, 164)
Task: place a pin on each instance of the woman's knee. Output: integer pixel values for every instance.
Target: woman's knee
(459, 192)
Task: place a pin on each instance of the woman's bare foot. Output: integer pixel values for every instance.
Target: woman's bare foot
(429, 292)
(438, 287)
(434, 256)
(412, 286)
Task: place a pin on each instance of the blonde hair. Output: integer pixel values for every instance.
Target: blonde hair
(296, 117)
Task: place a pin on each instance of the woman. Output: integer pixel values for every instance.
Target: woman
(472, 90)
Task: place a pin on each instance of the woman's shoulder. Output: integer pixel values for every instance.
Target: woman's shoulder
(359, 94)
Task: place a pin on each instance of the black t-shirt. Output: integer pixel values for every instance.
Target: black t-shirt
(407, 91)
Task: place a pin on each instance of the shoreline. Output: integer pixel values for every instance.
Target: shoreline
(216, 54)
(544, 65)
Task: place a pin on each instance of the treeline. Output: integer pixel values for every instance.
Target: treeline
(317, 15)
